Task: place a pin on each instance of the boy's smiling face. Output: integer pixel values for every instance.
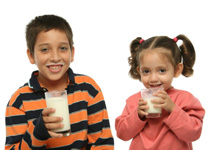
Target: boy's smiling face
(52, 55)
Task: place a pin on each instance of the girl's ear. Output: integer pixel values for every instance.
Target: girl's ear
(138, 69)
(30, 57)
(178, 70)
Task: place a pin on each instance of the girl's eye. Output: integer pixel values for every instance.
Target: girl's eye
(145, 71)
(162, 70)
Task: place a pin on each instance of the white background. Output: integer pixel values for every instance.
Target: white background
(103, 31)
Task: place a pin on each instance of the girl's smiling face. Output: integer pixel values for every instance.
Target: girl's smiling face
(52, 55)
(156, 70)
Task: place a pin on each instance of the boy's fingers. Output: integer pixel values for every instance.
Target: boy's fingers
(51, 126)
(55, 135)
(47, 111)
(49, 119)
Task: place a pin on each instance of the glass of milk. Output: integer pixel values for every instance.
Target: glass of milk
(58, 101)
(147, 95)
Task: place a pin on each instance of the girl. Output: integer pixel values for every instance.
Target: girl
(155, 62)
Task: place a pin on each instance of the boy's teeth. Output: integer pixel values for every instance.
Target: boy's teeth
(54, 67)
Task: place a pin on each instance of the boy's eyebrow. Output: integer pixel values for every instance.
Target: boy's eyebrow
(45, 44)
(64, 43)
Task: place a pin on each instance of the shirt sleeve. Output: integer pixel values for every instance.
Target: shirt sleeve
(186, 120)
(99, 132)
(23, 135)
(128, 124)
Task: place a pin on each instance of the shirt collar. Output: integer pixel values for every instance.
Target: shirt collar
(34, 84)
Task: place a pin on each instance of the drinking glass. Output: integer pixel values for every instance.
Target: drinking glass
(147, 95)
(58, 101)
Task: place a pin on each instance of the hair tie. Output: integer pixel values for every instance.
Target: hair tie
(175, 39)
(141, 41)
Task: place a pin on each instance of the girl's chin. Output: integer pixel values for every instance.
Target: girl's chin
(156, 87)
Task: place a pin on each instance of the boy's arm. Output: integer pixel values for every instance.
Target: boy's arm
(186, 122)
(99, 132)
(128, 124)
(23, 135)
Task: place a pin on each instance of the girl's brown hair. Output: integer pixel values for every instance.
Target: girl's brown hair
(185, 53)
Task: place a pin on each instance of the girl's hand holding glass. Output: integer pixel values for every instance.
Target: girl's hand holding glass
(165, 102)
(141, 109)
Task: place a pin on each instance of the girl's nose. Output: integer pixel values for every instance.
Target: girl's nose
(153, 78)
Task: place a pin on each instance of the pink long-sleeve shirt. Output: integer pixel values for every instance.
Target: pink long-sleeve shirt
(174, 131)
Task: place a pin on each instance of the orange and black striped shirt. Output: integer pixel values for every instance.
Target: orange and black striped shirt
(90, 128)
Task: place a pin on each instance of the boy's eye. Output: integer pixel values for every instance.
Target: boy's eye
(44, 49)
(63, 48)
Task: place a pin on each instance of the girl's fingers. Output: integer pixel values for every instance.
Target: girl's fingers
(158, 101)
(161, 94)
(142, 102)
(144, 107)
(143, 113)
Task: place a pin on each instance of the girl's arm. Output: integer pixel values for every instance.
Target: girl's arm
(186, 119)
(128, 124)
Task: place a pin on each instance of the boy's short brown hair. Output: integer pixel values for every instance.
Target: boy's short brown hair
(46, 23)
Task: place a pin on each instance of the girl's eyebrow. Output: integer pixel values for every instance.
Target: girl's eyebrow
(144, 67)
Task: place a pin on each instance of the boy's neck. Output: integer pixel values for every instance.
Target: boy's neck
(50, 85)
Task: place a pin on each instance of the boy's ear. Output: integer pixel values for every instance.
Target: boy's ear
(178, 70)
(72, 54)
(30, 57)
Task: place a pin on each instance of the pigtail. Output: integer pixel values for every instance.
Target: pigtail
(188, 55)
(132, 60)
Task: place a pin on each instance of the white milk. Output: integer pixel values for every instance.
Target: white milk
(147, 95)
(61, 110)
(151, 106)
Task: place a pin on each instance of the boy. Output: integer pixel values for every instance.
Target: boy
(28, 124)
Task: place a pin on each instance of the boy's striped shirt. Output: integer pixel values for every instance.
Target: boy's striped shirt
(90, 128)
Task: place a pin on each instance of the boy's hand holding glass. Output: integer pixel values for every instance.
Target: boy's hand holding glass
(51, 122)
(59, 120)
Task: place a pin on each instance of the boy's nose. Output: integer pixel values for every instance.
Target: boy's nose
(55, 56)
